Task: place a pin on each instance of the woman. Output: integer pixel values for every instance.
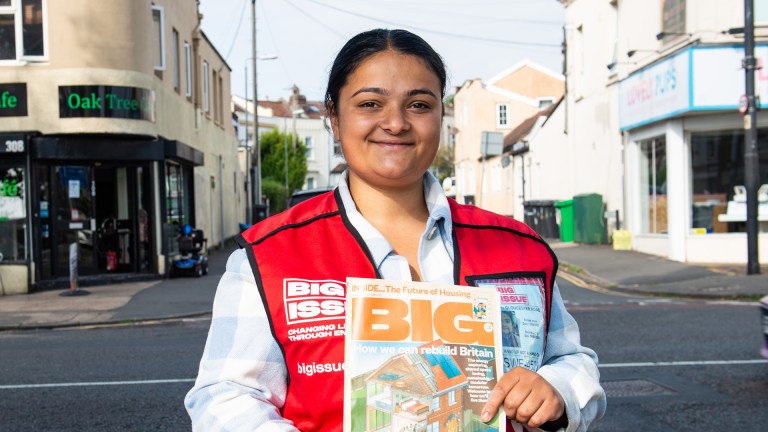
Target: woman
(510, 332)
(270, 365)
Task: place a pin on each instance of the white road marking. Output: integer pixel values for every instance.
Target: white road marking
(684, 363)
(96, 383)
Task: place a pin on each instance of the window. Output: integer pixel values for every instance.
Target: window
(188, 68)
(22, 29)
(221, 100)
(452, 398)
(176, 62)
(379, 420)
(496, 177)
(309, 144)
(761, 13)
(206, 102)
(310, 182)
(653, 181)
(673, 20)
(501, 116)
(215, 97)
(178, 194)
(717, 171)
(159, 37)
(435, 404)
(13, 213)
(545, 102)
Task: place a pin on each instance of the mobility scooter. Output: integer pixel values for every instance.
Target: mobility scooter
(192, 260)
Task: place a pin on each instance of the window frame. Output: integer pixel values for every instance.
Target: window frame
(161, 11)
(188, 68)
(505, 124)
(206, 88)
(176, 61)
(23, 222)
(15, 9)
(309, 144)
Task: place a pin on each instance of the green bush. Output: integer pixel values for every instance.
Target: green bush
(275, 191)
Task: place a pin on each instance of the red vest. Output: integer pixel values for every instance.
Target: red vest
(301, 259)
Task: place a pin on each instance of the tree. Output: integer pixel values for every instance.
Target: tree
(272, 146)
(442, 166)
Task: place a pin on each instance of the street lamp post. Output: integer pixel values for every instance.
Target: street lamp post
(257, 187)
(251, 178)
(751, 161)
(248, 186)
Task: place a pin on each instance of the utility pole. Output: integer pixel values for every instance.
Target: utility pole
(248, 186)
(256, 140)
(751, 162)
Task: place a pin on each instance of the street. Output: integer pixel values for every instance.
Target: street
(666, 364)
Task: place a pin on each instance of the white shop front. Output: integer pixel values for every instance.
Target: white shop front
(684, 165)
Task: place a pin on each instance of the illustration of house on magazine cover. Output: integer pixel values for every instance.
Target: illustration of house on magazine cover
(415, 392)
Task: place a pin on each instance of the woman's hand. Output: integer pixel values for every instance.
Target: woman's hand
(527, 398)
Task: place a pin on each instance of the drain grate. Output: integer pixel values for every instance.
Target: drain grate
(635, 387)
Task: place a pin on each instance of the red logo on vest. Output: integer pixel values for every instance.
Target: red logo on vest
(313, 300)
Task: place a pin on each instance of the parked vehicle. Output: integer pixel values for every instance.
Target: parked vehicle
(306, 194)
(192, 260)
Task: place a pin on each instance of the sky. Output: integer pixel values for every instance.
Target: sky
(476, 38)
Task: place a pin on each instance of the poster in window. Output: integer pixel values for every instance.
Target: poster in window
(74, 188)
(12, 194)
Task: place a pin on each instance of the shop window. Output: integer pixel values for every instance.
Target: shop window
(178, 195)
(22, 29)
(159, 36)
(653, 181)
(717, 165)
(13, 213)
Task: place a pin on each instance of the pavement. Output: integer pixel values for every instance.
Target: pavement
(597, 267)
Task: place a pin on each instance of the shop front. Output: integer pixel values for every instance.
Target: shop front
(103, 195)
(685, 155)
(14, 214)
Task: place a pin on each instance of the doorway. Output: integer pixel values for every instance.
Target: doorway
(100, 210)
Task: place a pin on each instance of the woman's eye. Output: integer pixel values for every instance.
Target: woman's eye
(420, 106)
(368, 104)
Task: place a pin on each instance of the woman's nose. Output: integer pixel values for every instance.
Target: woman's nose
(395, 121)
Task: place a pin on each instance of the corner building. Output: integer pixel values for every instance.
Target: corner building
(113, 134)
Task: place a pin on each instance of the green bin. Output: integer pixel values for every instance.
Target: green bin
(566, 220)
(588, 219)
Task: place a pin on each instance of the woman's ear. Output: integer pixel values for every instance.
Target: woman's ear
(334, 120)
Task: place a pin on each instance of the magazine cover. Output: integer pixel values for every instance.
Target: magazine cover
(420, 356)
(522, 319)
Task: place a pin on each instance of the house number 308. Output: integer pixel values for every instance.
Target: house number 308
(14, 146)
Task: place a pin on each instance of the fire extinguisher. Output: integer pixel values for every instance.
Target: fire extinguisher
(111, 260)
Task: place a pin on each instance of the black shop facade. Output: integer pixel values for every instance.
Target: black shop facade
(104, 204)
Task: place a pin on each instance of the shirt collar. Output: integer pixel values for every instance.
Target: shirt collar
(437, 206)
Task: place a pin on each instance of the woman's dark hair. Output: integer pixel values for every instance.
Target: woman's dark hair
(371, 42)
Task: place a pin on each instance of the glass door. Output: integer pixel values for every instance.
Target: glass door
(74, 217)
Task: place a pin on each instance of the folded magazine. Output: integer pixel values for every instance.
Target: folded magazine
(420, 356)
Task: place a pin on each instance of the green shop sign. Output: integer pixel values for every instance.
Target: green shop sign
(107, 101)
(13, 100)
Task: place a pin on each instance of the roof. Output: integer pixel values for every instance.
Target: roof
(421, 374)
(526, 126)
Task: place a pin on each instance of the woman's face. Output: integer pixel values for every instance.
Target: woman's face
(506, 324)
(388, 119)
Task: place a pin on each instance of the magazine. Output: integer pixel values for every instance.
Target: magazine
(522, 319)
(420, 356)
